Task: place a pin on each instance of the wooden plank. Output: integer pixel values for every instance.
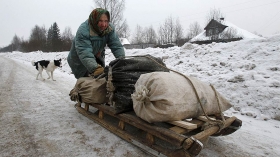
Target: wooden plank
(214, 129)
(121, 124)
(184, 124)
(100, 114)
(165, 133)
(206, 133)
(179, 130)
(86, 107)
(204, 118)
(150, 138)
(162, 133)
(132, 139)
(199, 123)
(79, 104)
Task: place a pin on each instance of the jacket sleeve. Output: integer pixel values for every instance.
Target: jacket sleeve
(115, 45)
(84, 49)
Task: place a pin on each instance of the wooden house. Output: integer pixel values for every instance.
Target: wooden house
(214, 28)
(222, 31)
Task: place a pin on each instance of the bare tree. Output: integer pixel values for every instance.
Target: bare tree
(178, 33)
(16, 42)
(229, 33)
(38, 33)
(138, 36)
(162, 35)
(125, 32)
(215, 14)
(116, 8)
(67, 38)
(67, 34)
(166, 31)
(37, 38)
(170, 27)
(149, 35)
(194, 30)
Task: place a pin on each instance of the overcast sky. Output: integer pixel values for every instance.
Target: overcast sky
(20, 16)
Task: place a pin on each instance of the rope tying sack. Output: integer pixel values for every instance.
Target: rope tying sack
(110, 87)
(142, 95)
(74, 95)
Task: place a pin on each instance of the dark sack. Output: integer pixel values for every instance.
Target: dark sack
(122, 74)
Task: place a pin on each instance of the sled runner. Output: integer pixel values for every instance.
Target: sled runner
(173, 139)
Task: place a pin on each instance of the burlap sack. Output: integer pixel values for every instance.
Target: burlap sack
(89, 90)
(164, 96)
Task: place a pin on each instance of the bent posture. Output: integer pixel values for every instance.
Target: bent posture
(87, 54)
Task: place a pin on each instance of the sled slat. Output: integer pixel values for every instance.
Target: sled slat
(179, 130)
(184, 124)
(86, 107)
(150, 138)
(158, 150)
(204, 118)
(101, 114)
(165, 134)
(121, 124)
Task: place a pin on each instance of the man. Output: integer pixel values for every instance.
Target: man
(87, 54)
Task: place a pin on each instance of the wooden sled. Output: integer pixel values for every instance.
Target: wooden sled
(172, 139)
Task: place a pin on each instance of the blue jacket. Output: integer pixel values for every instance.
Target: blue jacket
(88, 50)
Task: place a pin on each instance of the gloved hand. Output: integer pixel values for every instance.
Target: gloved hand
(113, 62)
(98, 71)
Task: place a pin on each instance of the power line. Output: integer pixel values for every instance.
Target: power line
(270, 21)
(207, 11)
(243, 8)
(255, 6)
(222, 7)
(232, 10)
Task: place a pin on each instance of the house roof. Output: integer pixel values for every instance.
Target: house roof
(240, 33)
(216, 23)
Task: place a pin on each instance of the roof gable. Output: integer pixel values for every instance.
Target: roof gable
(214, 24)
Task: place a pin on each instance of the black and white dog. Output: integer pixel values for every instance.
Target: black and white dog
(49, 66)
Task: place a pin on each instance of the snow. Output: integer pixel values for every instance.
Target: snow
(240, 33)
(246, 72)
(124, 41)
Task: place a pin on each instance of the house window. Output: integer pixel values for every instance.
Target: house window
(210, 32)
(217, 31)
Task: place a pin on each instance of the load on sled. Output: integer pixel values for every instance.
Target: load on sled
(162, 111)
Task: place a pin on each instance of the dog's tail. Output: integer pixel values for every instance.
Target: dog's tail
(33, 63)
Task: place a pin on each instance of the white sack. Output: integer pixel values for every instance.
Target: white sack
(164, 96)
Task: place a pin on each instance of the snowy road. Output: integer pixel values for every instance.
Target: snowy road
(37, 118)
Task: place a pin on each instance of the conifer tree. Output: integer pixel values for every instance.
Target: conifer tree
(56, 38)
(49, 39)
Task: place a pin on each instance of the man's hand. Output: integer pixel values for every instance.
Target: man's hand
(98, 71)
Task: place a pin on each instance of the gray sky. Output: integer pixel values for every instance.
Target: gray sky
(20, 16)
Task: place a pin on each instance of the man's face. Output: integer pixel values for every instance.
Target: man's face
(103, 22)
